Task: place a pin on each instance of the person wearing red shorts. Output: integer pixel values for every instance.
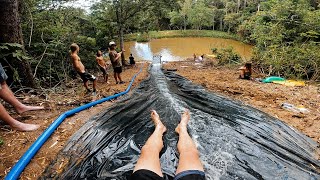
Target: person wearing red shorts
(148, 164)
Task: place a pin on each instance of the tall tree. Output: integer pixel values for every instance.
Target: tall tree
(10, 30)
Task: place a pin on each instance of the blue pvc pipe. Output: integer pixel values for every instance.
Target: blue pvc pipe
(18, 168)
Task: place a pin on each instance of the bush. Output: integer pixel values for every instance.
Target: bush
(228, 56)
(214, 50)
(142, 37)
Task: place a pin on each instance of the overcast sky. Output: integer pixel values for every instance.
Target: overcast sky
(84, 4)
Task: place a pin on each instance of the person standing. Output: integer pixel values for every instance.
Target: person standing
(103, 66)
(79, 67)
(115, 59)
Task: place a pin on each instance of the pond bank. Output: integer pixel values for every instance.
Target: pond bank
(178, 33)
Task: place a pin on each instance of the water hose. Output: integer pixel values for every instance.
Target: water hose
(18, 168)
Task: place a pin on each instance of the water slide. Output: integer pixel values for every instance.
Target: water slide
(235, 141)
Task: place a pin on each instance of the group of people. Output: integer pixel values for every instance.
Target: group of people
(115, 58)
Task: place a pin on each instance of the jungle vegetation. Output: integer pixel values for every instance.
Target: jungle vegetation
(36, 34)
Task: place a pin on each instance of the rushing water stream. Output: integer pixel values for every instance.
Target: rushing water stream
(181, 48)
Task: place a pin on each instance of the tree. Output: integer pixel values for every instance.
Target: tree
(11, 32)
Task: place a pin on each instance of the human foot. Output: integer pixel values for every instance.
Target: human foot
(28, 108)
(157, 122)
(185, 117)
(24, 127)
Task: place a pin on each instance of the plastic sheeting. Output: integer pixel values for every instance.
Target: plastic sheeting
(235, 141)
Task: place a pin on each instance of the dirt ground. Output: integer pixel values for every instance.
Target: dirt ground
(56, 101)
(265, 97)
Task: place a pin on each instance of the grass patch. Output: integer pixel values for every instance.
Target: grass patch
(178, 33)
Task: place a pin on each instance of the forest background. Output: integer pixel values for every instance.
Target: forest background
(36, 34)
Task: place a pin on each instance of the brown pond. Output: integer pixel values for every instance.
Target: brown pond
(174, 49)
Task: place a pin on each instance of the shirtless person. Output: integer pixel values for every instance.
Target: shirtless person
(79, 67)
(7, 95)
(115, 59)
(103, 65)
(148, 165)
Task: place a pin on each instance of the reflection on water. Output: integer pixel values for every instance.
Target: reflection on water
(173, 49)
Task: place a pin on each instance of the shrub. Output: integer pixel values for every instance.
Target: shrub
(228, 56)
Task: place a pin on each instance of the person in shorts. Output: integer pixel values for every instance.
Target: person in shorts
(79, 67)
(7, 95)
(103, 66)
(115, 59)
(148, 165)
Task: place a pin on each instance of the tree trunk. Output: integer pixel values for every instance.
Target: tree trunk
(184, 22)
(221, 25)
(213, 21)
(123, 60)
(11, 32)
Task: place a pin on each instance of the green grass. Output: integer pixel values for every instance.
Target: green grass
(1, 142)
(178, 33)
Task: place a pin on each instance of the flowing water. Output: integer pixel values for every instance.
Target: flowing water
(174, 49)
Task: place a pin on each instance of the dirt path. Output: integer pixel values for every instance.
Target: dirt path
(265, 97)
(16, 143)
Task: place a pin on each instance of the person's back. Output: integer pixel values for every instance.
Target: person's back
(131, 58)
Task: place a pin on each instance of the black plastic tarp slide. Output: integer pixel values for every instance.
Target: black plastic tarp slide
(235, 141)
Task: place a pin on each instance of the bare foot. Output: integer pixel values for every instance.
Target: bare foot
(185, 117)
(157, 122)
(28, 108)
(24, 127)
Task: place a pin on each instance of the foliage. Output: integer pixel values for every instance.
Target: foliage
(286, 35)
(228, 56)
(13, 50)
(1, 142)
(180, 33)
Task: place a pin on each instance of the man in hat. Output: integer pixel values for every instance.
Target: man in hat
(115, 59)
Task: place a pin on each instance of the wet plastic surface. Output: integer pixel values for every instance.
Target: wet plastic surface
(235, 141)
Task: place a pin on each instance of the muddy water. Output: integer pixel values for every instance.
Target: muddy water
(173, 49)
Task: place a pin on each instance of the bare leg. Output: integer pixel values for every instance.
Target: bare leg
(189, 156)
(119, 77)
(149, 158)
(94, 84)
(7, 95)
(115, 77)
(14, 124)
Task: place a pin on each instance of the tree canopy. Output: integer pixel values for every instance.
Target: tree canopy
(285, 33)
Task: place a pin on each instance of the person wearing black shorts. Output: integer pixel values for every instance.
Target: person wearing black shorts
(148, 165)
(103, 66)
(79, 67)
(115, 59)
